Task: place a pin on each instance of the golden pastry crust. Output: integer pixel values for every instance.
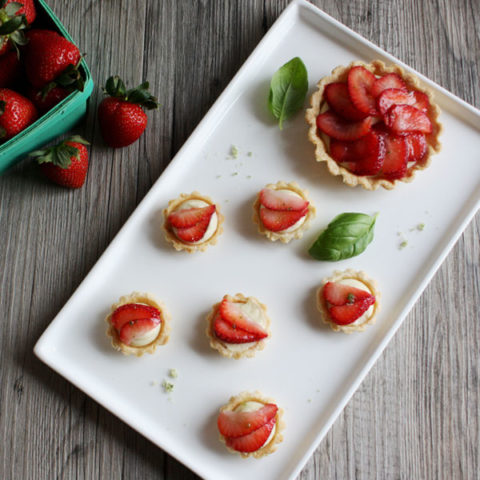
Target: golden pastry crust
(163, 335)
(321, 142)
(170, 236)
(223, 347)
(277, 438)
(284, 237)
(355, 275)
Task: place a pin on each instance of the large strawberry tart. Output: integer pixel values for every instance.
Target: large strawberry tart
(238, 326)
(251, 425)
(374, 125)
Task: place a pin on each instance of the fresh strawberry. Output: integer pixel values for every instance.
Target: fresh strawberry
(49, 57)
(28, 9)
(135, 329)
(232, 334)
(232, 314)
(277, 220)
(45, 101)
(133, 311)
(122, 119)
(13, 21)
(396, 156)
(339, 101)
(340, 129)
(66, 163)
(195, 233)
(16, 113)
(281, 200)
(405, 119)
(339, 294)
(253, 441)
(395, 96)
(417, 146)
(348, 313)
(189, 217)
(235, 424)
(390, 80)
(360, 84)
(10, 69)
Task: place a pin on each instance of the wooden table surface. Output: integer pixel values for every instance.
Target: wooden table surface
(417, 413)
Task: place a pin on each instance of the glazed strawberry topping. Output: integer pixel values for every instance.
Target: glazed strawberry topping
(339, 101)
(360, 83)
(281, 200)
(405, 119)
(341, 129)
(390, 80)
(340, 294)
(252, 441)
(236, 424)
(191, 223)
(231, 313)
(136, 329)
(416, 146)
(232, 334)
(396, 158)
(347, 314)
(395, 96)
(278, 221)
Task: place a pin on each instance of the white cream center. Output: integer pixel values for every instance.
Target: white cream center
(146, 338)
(212, 226)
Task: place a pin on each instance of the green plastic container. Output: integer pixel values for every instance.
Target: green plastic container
(56, 121)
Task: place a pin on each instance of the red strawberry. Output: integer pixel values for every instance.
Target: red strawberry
(226, 332)
(50, 57)
(395, 96)
(253, 441)
(405, 119)
(340, 129)
(390, 80)
(339, 294)
(135, 329)
(28, 9)
(348, 313)
(417, 146)
(66, 163)
(339, 101)
(10, 69)
(231, 313)
(13, 21)
(122, 120)
(195, 233)
(237, 424)
(131, 312)
(280, 200)
(277, 220)
(395, 161)
(16, 113)
(360, 84)
(189, 217)
(46, 101)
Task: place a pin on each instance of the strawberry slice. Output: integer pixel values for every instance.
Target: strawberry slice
(237, 424)
(195, 233)
(254, 440)
(348, 313)
(341, 129)
(390, 80)
(396, 156)
(395, 96)
(360, 83)
(135, 329)
(281, 200)
(339, 294)
(405, 119)
(131, 312)
(277, 220)
(232, 334)
(232, 314)
(338, 99)
(189, 217)
(416, 147)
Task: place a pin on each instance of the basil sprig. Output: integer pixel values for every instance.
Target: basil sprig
(346, 236)
(288, 89)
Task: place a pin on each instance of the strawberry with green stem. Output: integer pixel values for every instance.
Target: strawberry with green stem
(16, 113)
(121, 116)
(13, 21)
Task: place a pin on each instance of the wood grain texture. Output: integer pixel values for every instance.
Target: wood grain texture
(416, 415)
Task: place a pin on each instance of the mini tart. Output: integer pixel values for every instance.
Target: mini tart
(169, 233)
(237, 350)
(322, 141)
(163, 334)
(289, 234)
(277, 437)
(369, 318)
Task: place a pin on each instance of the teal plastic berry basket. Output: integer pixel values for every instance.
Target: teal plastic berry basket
(59, 119)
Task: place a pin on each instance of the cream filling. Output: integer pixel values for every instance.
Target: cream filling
(352, 282)
(301, 221)
(255, 313)
(212, 226)
(252, 406)
(147, 338)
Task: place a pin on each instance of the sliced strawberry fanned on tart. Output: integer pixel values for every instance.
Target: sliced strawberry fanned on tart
(192, 222)
(238, 326)
(137, 324)
(374, 125)
(251, 425)
(282, 211)
(348, 301)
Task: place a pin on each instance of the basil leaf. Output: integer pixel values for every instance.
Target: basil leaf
(346, 236)
(288, 89)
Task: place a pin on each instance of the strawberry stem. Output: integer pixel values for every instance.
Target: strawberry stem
(60, 154)
(139, 95)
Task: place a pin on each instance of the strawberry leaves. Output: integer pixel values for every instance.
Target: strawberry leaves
(59, 155)
(139, 95)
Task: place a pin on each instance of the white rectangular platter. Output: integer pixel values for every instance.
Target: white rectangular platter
(299, 366)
